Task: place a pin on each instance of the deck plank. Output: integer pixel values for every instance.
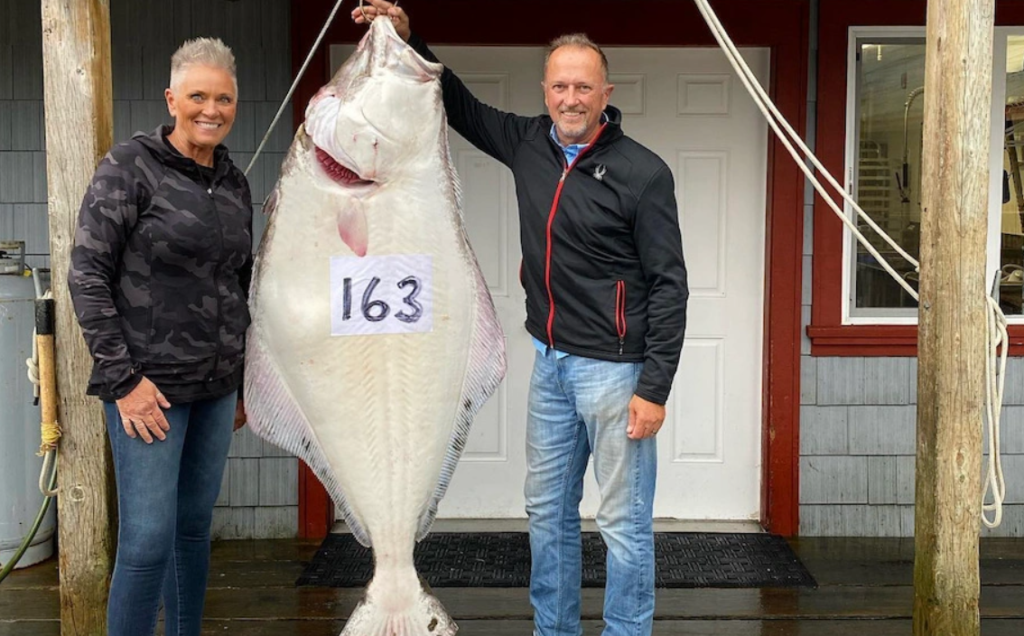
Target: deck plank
(991, 627)
(864, 591)
(261, 603)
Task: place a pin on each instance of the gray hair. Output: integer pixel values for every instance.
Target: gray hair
(578, 40)
(202, 52)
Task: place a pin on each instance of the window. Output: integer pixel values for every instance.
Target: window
(889, 88)
(884, 156)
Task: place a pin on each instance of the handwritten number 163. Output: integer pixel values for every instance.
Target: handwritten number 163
(378, 310)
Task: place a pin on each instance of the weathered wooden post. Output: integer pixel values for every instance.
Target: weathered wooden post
(957, 106)
(79, 131)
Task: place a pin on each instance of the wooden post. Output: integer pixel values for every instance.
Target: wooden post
(955, 188)
(79, 131)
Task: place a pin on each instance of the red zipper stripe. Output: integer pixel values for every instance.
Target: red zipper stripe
(620, 309)
(551, 222)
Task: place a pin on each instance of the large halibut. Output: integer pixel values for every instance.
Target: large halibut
(374, 339)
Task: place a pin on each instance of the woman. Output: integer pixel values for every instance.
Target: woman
(159, 275)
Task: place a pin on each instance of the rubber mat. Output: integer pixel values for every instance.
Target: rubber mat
(502, 559)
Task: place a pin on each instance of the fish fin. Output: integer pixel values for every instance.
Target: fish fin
(352, 227)
(389, 609)
(274, 415)
(270, 203)
(484, 372)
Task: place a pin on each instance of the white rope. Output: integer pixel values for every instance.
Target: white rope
(288, 97)
(995, 319)
(763, 101)
(998, 343)
(33, 367)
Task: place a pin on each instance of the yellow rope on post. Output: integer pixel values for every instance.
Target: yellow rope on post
(51, 434)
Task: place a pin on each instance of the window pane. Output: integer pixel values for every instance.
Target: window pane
(890, 105)
(1012, 254)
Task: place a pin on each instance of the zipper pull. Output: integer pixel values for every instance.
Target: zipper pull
(621, 344)
(565, 172)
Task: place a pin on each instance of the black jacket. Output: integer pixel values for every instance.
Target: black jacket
(159, 271)
(603, 261)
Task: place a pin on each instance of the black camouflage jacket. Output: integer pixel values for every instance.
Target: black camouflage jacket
(159, 272)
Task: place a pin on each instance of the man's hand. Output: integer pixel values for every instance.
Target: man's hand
(142, 414)
(240, 416)
(645, 418)
(372, 8)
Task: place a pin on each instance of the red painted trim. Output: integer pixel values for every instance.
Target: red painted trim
(780, 442)
(780, 25)
(829, 337)
(884, 340)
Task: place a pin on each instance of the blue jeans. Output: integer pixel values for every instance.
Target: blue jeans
(165, 495)
(577, 406)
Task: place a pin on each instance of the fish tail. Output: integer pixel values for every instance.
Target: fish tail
(389, 609)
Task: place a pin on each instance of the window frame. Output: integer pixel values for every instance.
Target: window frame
(864, 316)
(828, 330)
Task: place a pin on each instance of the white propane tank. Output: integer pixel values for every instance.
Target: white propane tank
(20, 498)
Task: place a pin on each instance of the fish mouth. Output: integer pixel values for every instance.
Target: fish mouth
(339, 172)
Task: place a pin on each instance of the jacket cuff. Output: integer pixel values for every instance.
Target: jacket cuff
(121, 379)
(651, 394)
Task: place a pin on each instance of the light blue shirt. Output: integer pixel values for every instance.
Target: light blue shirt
(571, 151)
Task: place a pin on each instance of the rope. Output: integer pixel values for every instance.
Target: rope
(997, 341)
(33, 368)
(291, 90)
(995, 378)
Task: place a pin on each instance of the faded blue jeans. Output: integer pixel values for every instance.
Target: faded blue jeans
(165, 495)
(579, 406)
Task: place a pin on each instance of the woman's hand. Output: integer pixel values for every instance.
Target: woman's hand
(142, 414)
(240, 417)
(370, 9)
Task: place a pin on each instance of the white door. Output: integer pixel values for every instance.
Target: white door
(687, 106)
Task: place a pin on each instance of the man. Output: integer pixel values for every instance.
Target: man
(606, 299)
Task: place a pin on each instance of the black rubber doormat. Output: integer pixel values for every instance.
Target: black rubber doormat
(502, 559)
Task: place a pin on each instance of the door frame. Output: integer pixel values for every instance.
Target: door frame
(779, 25)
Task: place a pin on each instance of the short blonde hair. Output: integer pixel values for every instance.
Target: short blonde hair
(581, 41)
(202, 52)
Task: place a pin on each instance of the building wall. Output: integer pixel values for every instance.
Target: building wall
(857, 440)
(259, 497)
(858, 425)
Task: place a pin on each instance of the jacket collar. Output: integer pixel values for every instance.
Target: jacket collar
(154, 141)
(612, 127)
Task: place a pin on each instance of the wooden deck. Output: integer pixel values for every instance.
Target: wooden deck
(864, 590)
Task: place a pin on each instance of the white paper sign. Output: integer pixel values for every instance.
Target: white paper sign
(374, 295)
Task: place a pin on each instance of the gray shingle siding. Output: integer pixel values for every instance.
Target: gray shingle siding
(144, 33)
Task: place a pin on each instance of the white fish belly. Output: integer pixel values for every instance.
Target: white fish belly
(382, 407)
